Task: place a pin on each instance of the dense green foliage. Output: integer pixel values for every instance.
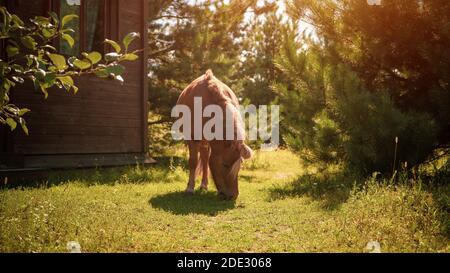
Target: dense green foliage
(30, 56)
(374, 92)
(341, 121)
(399, 47)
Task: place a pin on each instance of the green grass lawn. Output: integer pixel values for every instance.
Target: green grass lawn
(280, 209)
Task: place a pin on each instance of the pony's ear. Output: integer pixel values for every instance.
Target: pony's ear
(209, 74)
(246, 152)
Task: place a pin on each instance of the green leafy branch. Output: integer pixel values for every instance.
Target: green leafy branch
(30, 56)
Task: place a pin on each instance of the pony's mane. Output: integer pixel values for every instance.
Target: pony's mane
(222, 98)
(219, 95)
(235, 169)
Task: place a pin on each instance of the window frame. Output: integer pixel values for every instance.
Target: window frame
(111, 21)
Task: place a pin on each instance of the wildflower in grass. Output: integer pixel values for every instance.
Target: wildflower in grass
(73, 247)
(373, 247)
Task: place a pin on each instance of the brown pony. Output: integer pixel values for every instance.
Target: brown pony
(222, 157)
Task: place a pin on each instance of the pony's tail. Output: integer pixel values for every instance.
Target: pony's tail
(202, 162)
(199, 168)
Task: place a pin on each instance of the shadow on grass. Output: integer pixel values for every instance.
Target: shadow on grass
(329, 190)
(248, 178)
(166, 170)
(442, 197)
(439, 188)
(180, 203)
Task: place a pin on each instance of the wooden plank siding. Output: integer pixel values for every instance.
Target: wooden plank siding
(3, 129)
(104, 117)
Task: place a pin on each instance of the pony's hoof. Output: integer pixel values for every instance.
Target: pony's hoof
(189, 192)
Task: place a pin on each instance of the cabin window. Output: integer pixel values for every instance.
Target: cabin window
(67, 7)
(91, 26)
(95, 25)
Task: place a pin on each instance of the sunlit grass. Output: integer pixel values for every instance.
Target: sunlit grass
(281, 208)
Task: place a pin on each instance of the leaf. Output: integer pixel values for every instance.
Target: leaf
(23, 111)
(111, 57)
(119, 78)
(115, 45)
(129, 38)
(66, 19)
(115, 69)
(130, 57)
(81, 64)
(12, 109)
(71, 60)
(12, 51)
(68, 39)
(58, 60)
(12, 123)
(44, 90)
(17, 20)
(42, 64)
(42, 21)
(40, 74)
(30, 59)
(17, 68)
(66, 81)
(101, 73)
(18, 79)
(8, 84)
(54, 16)
(49, 47)
(6, 19)
(23, 124)
(67, 30)
(49, 79)
(94, 57)
(48, 33)
(28, 42)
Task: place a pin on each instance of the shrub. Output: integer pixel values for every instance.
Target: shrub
(329, 116)
(370, 144)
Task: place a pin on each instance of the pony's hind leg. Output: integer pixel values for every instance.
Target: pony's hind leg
(194, 148)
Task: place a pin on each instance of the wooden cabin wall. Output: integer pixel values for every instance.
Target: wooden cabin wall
(129, 11)
(103, 117)
(3, 129)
